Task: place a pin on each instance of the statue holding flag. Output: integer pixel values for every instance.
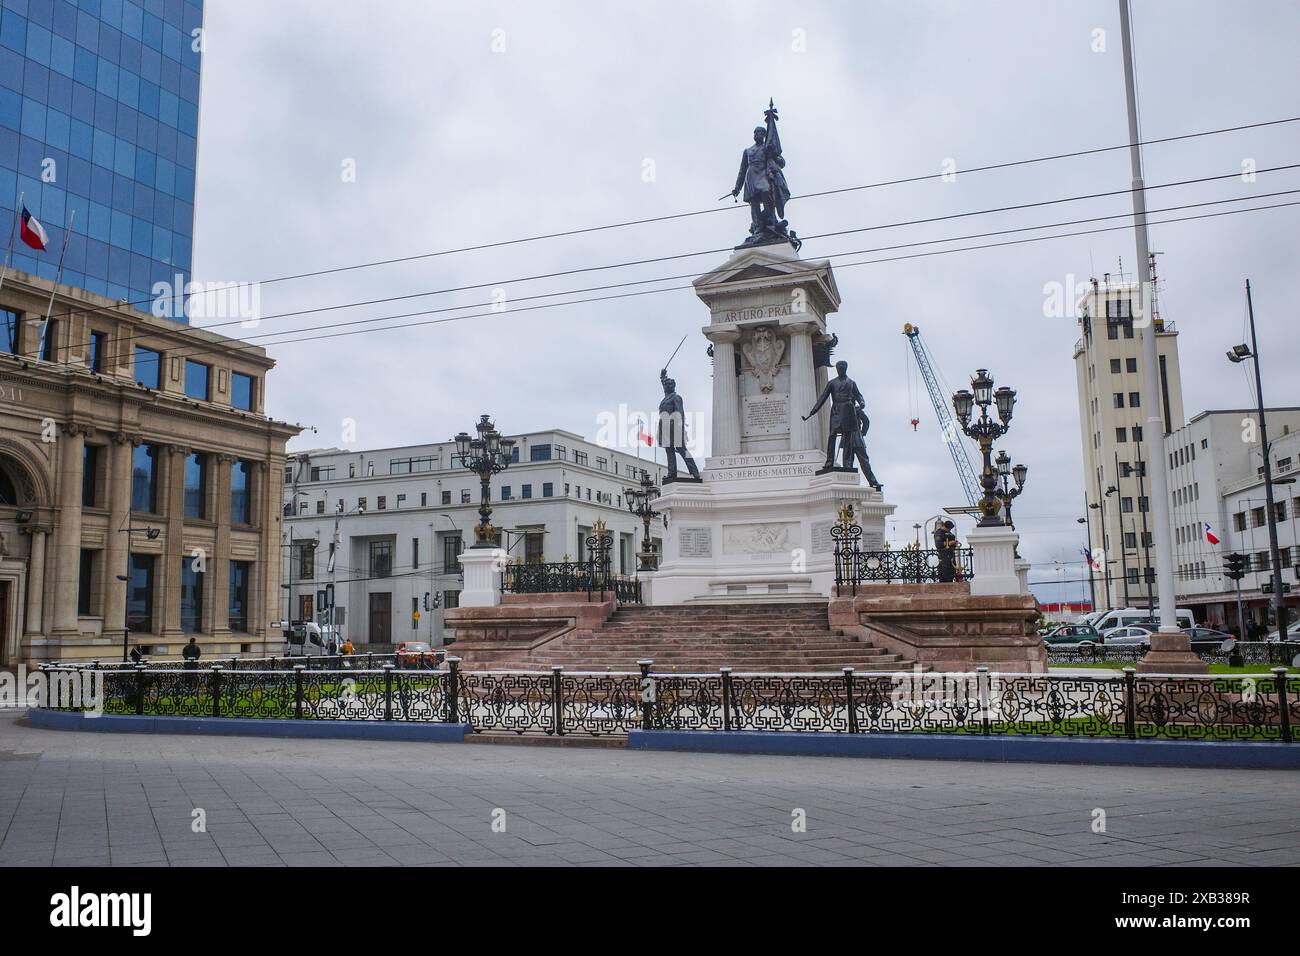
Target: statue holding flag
(764, 185)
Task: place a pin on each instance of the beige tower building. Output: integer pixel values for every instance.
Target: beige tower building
(140, 483)
(1110, 375)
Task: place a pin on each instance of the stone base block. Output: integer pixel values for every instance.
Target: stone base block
(1171, 654)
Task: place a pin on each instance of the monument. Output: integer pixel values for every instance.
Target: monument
(756, 527)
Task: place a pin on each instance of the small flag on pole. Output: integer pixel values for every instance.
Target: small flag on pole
(32, 232)
(642, 432)
(1210, 536)
(1093, 562)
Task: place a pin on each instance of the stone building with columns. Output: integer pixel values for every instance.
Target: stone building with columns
(140, 483)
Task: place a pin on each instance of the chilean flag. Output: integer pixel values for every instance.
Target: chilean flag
(641, 433)
(1093, 563)
(32, 232)
(1210, 536)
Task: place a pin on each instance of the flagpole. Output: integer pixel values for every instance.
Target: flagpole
(58, 274)
(13, 228)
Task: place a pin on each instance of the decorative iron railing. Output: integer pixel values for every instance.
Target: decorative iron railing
(1263, 707)
(1250, 652)
(591, 576)
(854, 566)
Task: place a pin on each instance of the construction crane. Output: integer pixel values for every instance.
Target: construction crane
(951, 432)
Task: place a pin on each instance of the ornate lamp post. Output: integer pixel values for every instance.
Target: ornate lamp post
(485, 455)
(1006, 475)
(638, 502)
(986, 431)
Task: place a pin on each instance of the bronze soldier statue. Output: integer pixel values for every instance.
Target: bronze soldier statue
(845, 402)
(764, 185)
(860, 449)
(672, 429)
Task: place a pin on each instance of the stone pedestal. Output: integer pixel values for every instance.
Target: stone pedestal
(482, 570)
(1022, 574)
(993, 561)
(1171, 653)
(757, 527)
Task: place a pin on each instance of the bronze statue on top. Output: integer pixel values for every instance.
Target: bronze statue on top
(762, 178)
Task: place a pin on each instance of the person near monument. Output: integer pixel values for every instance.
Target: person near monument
(672, 428)
(764, 185)
(945, 542)
(845, 401)
(860, 449)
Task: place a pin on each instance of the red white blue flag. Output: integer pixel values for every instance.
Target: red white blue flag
(32, 232)
(1210, 536)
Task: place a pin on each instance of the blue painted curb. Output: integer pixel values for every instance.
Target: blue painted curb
(1083, 750)
(249, 726)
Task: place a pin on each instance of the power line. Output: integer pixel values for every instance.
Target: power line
(716, 209)
(236, 344)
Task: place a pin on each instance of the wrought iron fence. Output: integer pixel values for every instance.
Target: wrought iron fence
(1251, 652)
(593, 574)
(908, 565)
(1263, 707)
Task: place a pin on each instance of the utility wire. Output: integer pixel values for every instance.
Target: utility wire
(716, 209)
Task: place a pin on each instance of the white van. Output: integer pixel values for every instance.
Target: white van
(1123, 617)
(305, 640)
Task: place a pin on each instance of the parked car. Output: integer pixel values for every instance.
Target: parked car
(1066, 635)
(305, 640)
(1123, 617)
(1207, 638)
(1133, 635)
(415, 654)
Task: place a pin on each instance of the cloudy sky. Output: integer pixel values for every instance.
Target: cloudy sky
(335, 133)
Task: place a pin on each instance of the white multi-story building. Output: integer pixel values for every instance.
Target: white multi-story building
(1217, 478)
(403, 515)
(1111, 381)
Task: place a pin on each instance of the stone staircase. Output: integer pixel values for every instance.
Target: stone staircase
(748, 637)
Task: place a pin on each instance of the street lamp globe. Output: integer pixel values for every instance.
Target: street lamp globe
(963, 403)
(462, 444)
(1006, 400)
(1003, 462)
(1019, 473)
(982, 383)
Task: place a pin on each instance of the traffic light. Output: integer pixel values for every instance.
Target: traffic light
(1234, 566)
(426, 600)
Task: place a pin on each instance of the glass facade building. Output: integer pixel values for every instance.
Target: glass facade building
(99, 112)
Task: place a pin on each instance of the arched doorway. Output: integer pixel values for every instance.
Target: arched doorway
(22, 494)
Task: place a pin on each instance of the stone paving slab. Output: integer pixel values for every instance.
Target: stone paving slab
(126, 800)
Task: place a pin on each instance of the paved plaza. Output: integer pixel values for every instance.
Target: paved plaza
(92, 799)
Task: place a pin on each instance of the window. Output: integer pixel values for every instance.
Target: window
(446, 497)
(539, 453)
(148, 367)
(1119, 400)
(451, 548)
(505, 492)
(1239, 521)
(85, 580)
(139, 594)
(320, 507)
(1263, 561)
(1126, 505)
(322, 473)
(450, 599)
(579, 457)
(196, 485)
(241, 505)
(548, 489)
(239, 577)
(9, 325)
(1134, 399)
(401, 500)
(1130, 540)
(566, 489)
(1114, 366)
(1112, 330)
(406, 466)
(1121, 435)
(533, 547)
(89, 475)
(1279, 510)
(464, 496)
(424, 498)
(243, 393)
(1137, 432)
(415, 553)
(514, 453)
(526, 491)
(361, 504)
(144, 479)
(381, 559)
(602, 464)
(1284, 464)
(191, 595)
(306, 560)
(1144, 504)
(1257, 517)
(1147, 539)
(561, 452)
(381, 502)
(98, 347)
(197, 377)
(47, 343)
(1131, 364)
